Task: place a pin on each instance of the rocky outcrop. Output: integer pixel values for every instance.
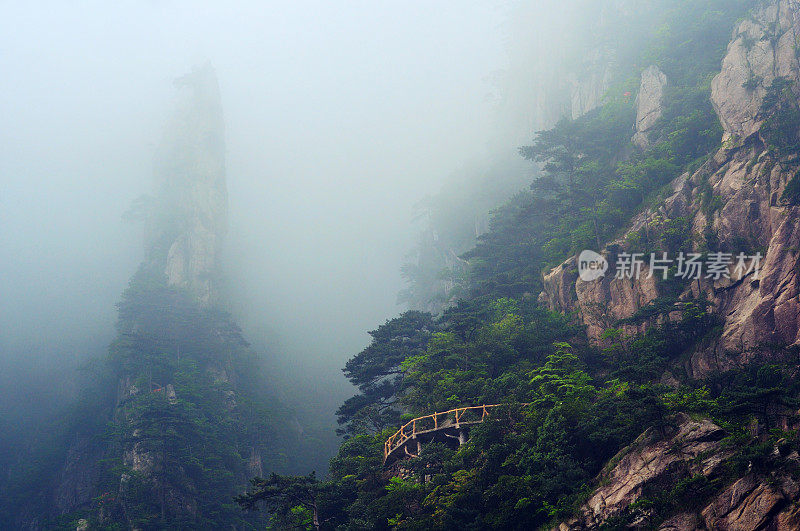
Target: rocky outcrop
(756, 312)
(255, 467)
(601, 303)
(681, 522)
(186, 223)
(732, 203)
(763, 48)
(592, 82)
(689, 449)
(189, 218)
(753, 503)
(736, 197)
(648, 105)
(592, 76)
(137, 457)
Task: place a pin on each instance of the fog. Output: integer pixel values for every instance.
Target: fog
(340, 117)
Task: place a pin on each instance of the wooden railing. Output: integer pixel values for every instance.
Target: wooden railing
(437, 421)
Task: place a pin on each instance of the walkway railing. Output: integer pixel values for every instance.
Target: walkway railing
(453, 418)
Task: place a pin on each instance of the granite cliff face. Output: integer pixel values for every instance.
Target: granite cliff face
(691, 450)
(592, 81)
(648, 104)
(734, 199)
(190, 214)
(185, 224)
(763, 48)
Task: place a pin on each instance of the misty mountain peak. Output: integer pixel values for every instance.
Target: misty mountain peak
(189, 221)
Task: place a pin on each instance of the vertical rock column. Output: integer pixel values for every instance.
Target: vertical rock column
(190, 214)
(648, 104)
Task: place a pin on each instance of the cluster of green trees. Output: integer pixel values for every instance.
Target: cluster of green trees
(192, 447)
(535, 467)
(169, 426)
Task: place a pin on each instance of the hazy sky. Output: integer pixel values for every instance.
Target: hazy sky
(340, 117)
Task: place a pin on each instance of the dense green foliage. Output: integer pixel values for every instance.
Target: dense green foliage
(377, 373)
(583, 406)
(192, 447)
(167, 426)
(293, 499)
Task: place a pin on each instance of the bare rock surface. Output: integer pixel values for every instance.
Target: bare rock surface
(736, 196)
(77, 479)
(681, 522)
(689, 448)
(653, 459)
(190, 216)
(648, 104)
(753, 503)
(763, 48)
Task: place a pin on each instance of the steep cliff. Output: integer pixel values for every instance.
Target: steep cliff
(633, 403)
(648, 105)
(733, 203)
(188, 221)
(570, 69)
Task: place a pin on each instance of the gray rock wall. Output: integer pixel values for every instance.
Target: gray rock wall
(190, 217)
(747, 182)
